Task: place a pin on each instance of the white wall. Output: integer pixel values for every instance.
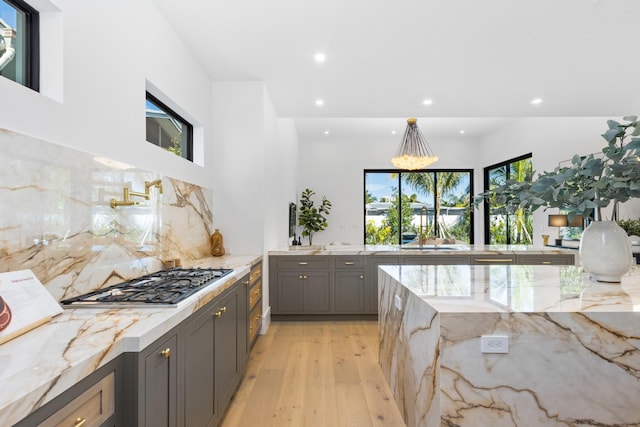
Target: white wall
(109, 51)
(334, 167)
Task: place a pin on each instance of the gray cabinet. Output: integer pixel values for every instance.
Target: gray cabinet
(348, 284)
(153, 383)
(555, 259)
(300, 285)
(93, 401)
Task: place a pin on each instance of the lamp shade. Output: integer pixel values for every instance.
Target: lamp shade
(414, 152)
(563, 221)
(558, 221)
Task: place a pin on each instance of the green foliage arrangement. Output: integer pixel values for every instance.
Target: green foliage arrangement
(631, 226)
(312, 219)
(590, 182)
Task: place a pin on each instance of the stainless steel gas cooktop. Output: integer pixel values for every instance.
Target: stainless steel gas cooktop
(162, 288)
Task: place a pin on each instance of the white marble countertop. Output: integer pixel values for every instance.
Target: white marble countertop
(443, 249)
(41, 364)
(517, 288)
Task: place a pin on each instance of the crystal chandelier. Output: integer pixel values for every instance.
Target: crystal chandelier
(414, 152)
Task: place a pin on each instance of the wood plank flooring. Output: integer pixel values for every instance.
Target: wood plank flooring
(323, 374)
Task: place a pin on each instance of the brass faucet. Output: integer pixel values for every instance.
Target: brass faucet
(126, 194)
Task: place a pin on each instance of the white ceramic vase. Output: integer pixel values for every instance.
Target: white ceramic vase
(605, 251)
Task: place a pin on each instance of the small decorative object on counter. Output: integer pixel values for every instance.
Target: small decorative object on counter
(545, 239)
(217, 248)
(295, 242)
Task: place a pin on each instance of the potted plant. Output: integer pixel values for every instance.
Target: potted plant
(312, 219)
(589, 184)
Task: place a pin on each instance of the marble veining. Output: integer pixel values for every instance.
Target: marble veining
(574, 346)
(458, 249)
(57, 220)
(40, 365)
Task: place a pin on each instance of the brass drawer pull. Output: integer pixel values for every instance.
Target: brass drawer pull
(246, 282)
(303, 263)
(546, 262)
(223, 309)
(494, 260)
(349, 263)
(218, 314)
(166, 353)
(80, 422)
(361, 276)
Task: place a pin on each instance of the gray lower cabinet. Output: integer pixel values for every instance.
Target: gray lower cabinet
(301, 292)
(94, 401)
(187, 377)
(344, 284)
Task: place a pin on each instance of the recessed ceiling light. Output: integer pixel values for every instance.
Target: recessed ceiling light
(536, 101)
(319, 102)
(427, 102)
(326, 132)
(393, 132)
(461, 132)
(320, 57)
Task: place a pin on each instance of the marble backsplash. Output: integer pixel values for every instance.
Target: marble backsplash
(56, 217)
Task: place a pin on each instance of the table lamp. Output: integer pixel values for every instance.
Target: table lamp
(563, 221)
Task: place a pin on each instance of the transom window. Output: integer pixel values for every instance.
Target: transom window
(399, 205)
(19, 43)
(500, 228)
(166, 129)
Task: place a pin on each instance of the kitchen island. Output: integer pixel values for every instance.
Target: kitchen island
(572, 356)
(44, 363)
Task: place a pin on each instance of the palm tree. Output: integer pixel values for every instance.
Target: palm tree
(426, 182)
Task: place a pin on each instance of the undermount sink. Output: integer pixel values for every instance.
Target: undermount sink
(432, 247)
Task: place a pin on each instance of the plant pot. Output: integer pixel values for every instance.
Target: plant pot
(605, 251)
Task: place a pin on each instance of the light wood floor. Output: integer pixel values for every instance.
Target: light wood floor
(309, 374)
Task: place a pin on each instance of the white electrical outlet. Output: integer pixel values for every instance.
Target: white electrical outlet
(495, 344)
(398, 302)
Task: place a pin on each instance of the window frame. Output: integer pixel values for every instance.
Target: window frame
(188, 126)
(487, 217)
(32, 44)
(470, 173)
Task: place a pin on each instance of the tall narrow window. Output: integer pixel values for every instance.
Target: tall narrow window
(167, 129)
(19, 43)
(401, 205)
(500, 228)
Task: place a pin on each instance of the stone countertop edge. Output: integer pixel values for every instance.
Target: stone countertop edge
(45, 362)
(459, 249)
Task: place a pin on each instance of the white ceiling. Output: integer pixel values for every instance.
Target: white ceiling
(477, 60)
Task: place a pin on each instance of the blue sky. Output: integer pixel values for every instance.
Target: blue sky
(379, 184)
(8, 14)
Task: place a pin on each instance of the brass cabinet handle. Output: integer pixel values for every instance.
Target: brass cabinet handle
(361, 276)
(246, 282)
(305, 277)
(300, 277)
(80, 422)
(303, 263)
(218, 314)
(166, 353)
(546, 262)
(349, 263)
(224, 309)
(493, 260)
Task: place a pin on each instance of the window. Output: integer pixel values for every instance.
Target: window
(168, 130)
(19, 43)
(502, 228)
(397, 202)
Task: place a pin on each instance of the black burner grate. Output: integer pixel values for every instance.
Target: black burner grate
(166, 287)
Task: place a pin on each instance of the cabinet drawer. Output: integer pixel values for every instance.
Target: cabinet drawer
(546, 259)
(255, 294)
(93, 406)
(256, 273)
(255, 320)
(348, 262)
(493, 259)
(311, 263)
